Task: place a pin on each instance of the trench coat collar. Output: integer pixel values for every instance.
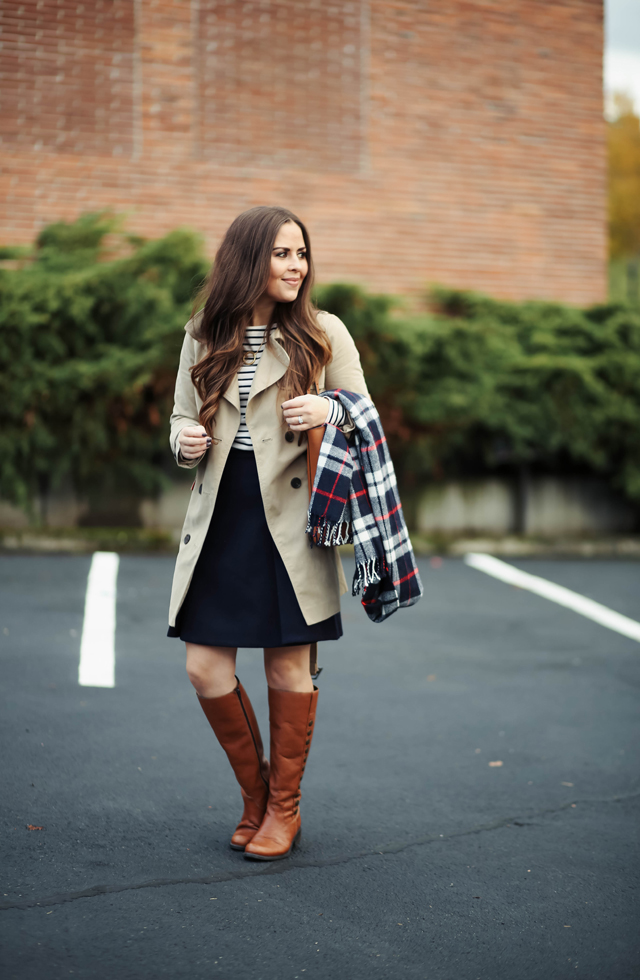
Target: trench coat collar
(272, 365)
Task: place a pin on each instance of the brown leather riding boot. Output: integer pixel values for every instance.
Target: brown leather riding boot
(236, 728)
(291, 718)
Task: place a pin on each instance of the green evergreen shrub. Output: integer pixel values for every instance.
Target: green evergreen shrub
(89, 346)
(478, 385)
(88, 353)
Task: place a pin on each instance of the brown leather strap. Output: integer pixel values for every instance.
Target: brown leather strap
(314, 442)
(314, 670)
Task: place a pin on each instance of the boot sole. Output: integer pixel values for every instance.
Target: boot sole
(237, 847)
(277, 857)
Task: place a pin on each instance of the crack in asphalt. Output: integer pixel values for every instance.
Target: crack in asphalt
(293, 863)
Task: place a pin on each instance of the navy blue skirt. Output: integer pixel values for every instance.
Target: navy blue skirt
(240, 594)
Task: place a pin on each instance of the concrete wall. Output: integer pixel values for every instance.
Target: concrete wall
(552, 507)
(63, 510)
(169, 510)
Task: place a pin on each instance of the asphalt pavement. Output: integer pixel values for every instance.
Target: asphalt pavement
(469, 810)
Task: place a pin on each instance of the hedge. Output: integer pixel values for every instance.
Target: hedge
(88, 352)
(477, 385)
(89, 346)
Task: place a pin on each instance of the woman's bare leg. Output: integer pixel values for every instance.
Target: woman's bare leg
(287, 668)
(292, 714)
(211, 670)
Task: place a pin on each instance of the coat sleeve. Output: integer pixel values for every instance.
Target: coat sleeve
(185, 409)
(344, 369)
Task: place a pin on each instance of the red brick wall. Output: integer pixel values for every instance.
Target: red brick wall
(458, 142)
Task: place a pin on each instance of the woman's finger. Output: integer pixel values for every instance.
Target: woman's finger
(195, 440)
(194, 447)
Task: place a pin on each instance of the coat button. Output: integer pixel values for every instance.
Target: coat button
(187, 538)
(296, 483)
(289, 436)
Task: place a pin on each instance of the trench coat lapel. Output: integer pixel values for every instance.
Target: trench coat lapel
(232, 394)
(271, 366)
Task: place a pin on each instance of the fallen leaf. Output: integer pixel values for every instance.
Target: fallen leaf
(32, 826)
(431, 677)
(567, 927)
(496, 763)
(567, 784)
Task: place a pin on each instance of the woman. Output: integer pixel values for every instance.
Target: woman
(245, 575)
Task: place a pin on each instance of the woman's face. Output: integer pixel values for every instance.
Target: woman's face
(289, 264)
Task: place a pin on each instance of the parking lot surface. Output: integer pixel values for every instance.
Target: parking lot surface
(470, 807)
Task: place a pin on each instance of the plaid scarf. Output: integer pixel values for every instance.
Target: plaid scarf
(355, 499)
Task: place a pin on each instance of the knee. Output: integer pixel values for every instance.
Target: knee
(211, 684)
(211, 673)
(283, 675)
(201, 673)
(198, 677)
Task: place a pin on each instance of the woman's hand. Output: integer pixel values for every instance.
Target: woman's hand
(311, 409)
(193, 441)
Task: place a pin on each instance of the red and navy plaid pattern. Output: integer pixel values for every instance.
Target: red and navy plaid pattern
(355, 499)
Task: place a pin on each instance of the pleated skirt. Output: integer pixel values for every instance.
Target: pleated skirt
(241, 594)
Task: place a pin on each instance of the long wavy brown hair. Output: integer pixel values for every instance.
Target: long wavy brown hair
(237, 280)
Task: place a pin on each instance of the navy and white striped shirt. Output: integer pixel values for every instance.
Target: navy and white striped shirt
(254, 340)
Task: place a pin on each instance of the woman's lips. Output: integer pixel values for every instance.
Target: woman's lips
(292, 282)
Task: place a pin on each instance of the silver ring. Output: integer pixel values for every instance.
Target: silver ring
(300, 420)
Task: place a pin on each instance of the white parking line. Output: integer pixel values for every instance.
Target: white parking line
(97, 648)
(556, 593)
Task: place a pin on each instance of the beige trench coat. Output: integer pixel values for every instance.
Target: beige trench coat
(316, 573)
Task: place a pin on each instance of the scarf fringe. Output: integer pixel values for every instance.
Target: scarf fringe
(324, 534)
(367, 573)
